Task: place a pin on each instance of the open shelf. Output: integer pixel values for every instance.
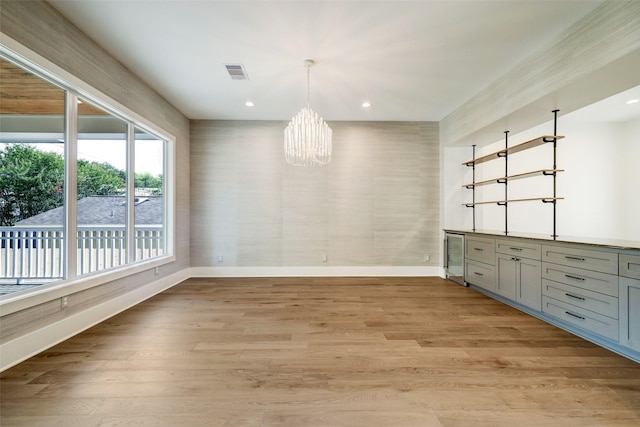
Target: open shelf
(503, 202)
(504, 155)
(515, 149)
(504, 179)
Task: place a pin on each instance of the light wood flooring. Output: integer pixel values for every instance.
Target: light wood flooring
(322, 352)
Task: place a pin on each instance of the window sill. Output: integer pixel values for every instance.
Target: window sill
(22, 300)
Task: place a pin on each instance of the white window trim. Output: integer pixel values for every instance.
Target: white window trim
(12, 303)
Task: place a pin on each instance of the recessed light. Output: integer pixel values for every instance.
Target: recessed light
(249, 104)
(366, 104)
(633, 101)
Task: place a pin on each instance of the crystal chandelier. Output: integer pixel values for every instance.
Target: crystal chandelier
(307, 138)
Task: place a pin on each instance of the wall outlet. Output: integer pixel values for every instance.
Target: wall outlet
(325, 258)
(157, 270)
(64, 302)
(426, 257)
(220, 258)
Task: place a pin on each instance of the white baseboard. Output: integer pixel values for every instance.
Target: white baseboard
(329, 271)
(22, 348)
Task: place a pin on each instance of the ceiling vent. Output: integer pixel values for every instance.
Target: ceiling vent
(236, 71)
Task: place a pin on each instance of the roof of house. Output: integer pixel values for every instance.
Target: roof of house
(104, 210)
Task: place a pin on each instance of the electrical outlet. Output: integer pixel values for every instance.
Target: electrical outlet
(426, 257)
(157, 270)
(64, 302)
(324, 258)
(220, 258)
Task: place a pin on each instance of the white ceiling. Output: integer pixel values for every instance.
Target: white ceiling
(413, 60)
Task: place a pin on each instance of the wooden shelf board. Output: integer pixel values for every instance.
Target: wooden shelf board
(513, 200)
(513, 177)
(512, 150)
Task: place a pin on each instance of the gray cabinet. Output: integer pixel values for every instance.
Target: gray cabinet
(580, 287)
(519, 272)
(591, 290)
(480, 254)
(629, 297)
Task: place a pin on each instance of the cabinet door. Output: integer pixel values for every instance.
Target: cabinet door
(529, 291)
(507, 276)
(630, 313)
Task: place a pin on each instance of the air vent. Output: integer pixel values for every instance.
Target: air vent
(236, 71)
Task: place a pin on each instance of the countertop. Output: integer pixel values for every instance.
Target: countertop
(633, 245)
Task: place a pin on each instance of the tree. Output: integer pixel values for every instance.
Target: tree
(99, 179)
(32, 181)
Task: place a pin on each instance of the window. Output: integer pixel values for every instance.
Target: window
(82, 185)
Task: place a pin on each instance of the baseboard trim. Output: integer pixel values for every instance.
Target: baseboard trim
(26, 346)
(329, 271)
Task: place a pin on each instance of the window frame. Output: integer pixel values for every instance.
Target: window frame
(76, 88)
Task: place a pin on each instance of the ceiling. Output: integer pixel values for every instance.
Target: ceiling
(413, 60)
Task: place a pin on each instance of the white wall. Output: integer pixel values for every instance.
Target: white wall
(600, 184)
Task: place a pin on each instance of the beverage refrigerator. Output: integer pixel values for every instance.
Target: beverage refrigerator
(454, 257)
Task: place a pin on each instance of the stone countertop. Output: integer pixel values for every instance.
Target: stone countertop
(595, 241)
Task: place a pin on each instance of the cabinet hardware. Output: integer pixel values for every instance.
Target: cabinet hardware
(478, 249)
(576, 297)
(574, 258)
(574, 277)
(516, 249)
(478, 274)
(574, 315)
(515, 259)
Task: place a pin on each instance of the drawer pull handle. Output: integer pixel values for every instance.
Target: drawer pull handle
(574, 258)
(516, 249)
(576, 297)
(478, 249)
(515, 258)
(478, 274)
(574, 277)
(574, 315)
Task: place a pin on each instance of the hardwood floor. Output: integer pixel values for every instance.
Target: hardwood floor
(322, 352)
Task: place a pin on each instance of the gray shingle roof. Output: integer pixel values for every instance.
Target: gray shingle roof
(103, 210)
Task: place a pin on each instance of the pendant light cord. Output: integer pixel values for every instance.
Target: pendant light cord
(308, 96)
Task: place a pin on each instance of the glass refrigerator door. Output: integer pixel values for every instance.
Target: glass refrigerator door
(454, 267)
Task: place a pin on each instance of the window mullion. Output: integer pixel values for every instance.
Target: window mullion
(130, 217)
(71, 186)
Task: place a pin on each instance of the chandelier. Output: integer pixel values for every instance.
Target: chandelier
(307, 138)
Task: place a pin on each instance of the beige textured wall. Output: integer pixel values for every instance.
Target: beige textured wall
(42, 29)
(376, 204)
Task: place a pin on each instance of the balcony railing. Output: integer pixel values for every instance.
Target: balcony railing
(37, 253)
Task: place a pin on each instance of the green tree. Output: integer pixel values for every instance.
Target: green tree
(32, 181)
(146, 180)
(99, 179)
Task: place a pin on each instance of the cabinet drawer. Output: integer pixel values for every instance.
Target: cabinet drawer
(604, 262)
(630, 266)
(584, 279)
(519, 249)
(482, 275)
(593, 322)
(592, 301)
(480, 249)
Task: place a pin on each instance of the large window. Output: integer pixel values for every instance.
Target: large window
(82, 186)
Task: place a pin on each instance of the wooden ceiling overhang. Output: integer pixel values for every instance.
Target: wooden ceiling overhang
(23, 93)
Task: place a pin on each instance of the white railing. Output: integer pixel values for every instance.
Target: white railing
(37, 252)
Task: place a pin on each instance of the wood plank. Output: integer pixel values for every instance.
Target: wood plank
(503, 179)
(323, 352)
(544, 139)
(532, 199)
